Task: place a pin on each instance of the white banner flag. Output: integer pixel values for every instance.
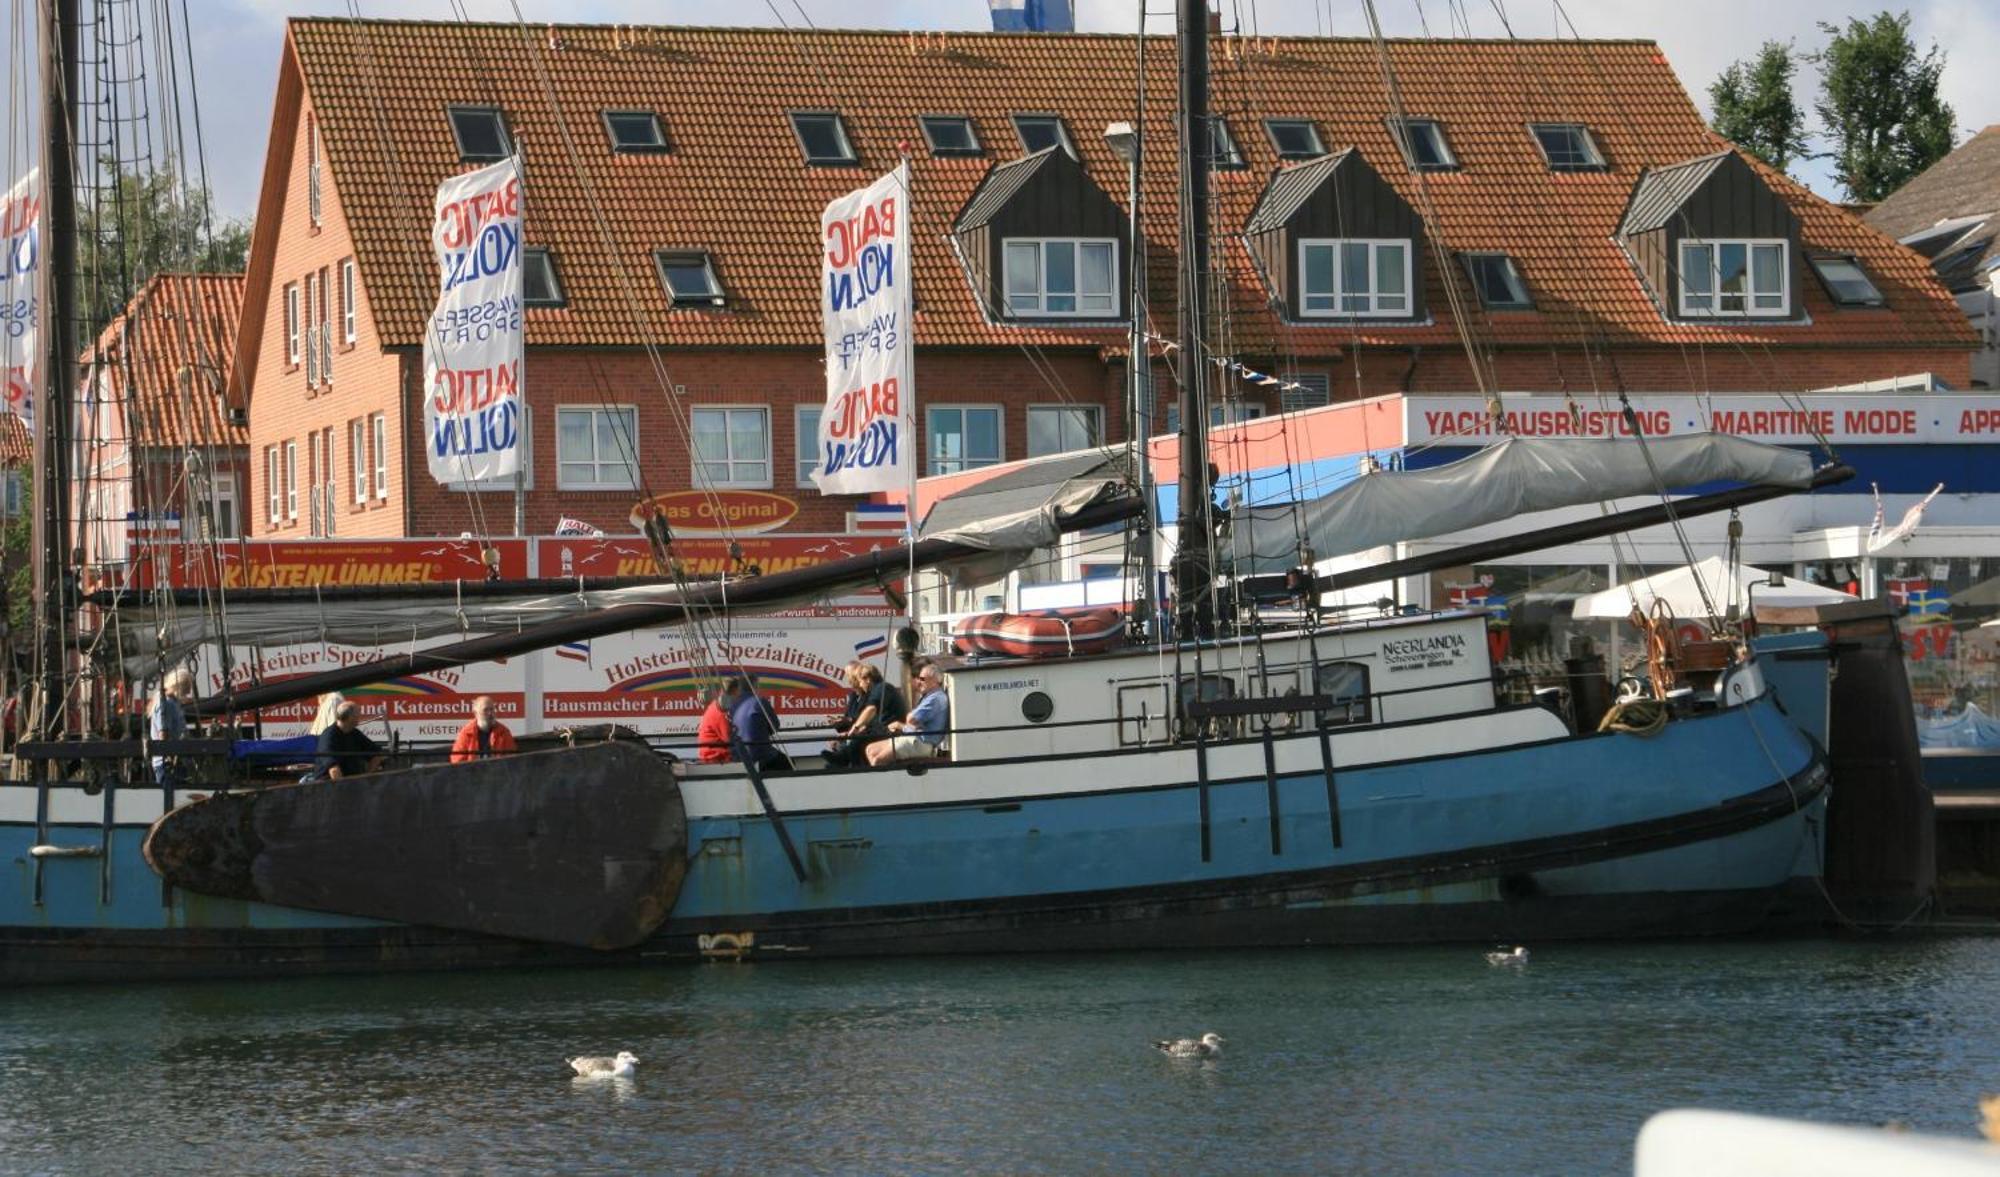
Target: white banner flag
(867, 435)
(1879, 539)
(472, 352)
(21, 296)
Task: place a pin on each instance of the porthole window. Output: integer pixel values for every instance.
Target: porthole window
(1037, 707)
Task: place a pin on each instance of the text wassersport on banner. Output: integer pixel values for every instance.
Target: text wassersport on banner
(867, 436)
(472, 352)
(21, 296)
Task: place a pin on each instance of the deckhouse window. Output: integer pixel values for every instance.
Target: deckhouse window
(1846, 282)
(596, 448)
(1295, 138)
(1223, 153)
(963, 437)
(1061, 277)
(539, 285)
(1346, 683)
(1355, 278)
(732, 446)
(950, 135)
(1058, 429)
(823, 138)
(481, 133)
(1568, 147)
(1734, 279)
(1039, 132)
(1498, 281)
(689, 278)
(1422, 141)
(634, 131)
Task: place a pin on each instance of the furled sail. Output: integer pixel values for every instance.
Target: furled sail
(1515, 477)
(1010, 515)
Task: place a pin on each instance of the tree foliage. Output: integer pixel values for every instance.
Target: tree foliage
(1880, 105)
(1754, 108)
(138, 224)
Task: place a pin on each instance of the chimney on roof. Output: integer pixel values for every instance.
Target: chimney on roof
(555, 39)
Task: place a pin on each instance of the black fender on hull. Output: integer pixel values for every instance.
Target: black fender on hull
(583, 846)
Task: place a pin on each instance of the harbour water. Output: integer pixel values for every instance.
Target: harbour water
(1397, 1061)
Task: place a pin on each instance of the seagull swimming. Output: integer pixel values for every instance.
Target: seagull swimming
(1514, 956)
(1207, 1046)
(599, 1068)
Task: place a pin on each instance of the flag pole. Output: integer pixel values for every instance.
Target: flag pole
(915, 451)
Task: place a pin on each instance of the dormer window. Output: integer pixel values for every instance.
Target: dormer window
(689, 278)
(539, 285)
(1568, 147)
(1052, 277)
(1498, 282)
(634, 132)
(1422, 141)
(1743, 279)
(823, 137)
(1354, 279)
(1847, 284)
(1223, 153)
(950, 135)
(1295, 138)
(481, 134)
(1039, 132)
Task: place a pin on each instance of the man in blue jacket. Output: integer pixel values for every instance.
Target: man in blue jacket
(920, 735)
(751, 725)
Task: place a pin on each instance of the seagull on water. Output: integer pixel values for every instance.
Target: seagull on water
(1207, 1046)
(1516, 955)
(600, 1067)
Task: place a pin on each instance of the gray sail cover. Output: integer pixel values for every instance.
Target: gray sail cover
(1014, 513)
(1515, 477)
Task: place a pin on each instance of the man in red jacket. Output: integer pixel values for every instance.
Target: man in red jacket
(712, 737)
(484, 736)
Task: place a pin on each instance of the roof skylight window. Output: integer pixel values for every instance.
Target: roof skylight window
(634, 131)
(1846, 282)
(481, 133)
(823, 137)
(1498, 281)
(1569, 147)
(950, 134)
(1295, 138)
(689, 278)
(1039, 132)
(1422, 141)
(539, 285)
(1223, 153)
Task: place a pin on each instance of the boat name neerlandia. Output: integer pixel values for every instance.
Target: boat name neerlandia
(1439, 649)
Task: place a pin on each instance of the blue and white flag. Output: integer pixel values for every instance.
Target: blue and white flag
(1032, 16)
(867, 433)
(472, 348)
(871, 647)
(21, 296)
(574, 651)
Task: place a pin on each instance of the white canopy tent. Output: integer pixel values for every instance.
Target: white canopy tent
(1789, 603)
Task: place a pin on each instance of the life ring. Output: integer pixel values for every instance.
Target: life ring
(1045, 633)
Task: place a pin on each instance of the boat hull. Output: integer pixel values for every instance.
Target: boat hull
(1535, 842)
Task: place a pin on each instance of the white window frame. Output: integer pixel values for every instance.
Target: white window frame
(1751, 293)
(632, 483)
(349, 316)
(291, 481)
(1819, 262)
(1312, 125)
(934, 464)
(293, 322)
(273, 485)
(684, 259)
(314, 205)
(925, 123)
(1340, 294)
(1594, 161)
(846, 158)
(806, 452)
(1042, 294)
(221, 495)
(1062, 131)
(380, 428)
(315, 473)
(1095, 413)
(657, 145)
(1408, 130)
(357, 441)
(312, 332)
(733, 460)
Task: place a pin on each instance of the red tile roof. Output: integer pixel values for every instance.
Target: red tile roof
(17, 449)
(176, 339)
(735, 182)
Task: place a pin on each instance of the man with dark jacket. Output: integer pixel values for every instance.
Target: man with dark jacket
(751, 725)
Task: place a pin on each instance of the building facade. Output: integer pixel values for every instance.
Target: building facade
(1539, 216)
(1951, 215)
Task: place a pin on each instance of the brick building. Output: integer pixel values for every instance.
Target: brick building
(158, 448)
(1557, 210)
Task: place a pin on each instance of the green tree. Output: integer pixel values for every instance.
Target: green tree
(17, 539)
(135, 225)
(1754, 108)
(1879, 101)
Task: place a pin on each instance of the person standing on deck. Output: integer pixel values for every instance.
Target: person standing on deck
(169, 722)
(484, 736)
(712, 737)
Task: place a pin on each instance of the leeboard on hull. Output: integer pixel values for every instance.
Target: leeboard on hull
(584, 847)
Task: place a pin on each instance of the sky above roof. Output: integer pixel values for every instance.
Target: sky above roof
(236, 42)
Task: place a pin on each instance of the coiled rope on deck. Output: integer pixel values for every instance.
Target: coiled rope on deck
(1637, 717)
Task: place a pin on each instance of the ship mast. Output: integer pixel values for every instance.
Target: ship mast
(1194, 577)
(58, 362)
